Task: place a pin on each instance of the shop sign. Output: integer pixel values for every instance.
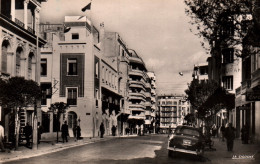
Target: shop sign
(253, 95)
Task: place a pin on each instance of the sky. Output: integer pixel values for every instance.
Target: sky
(158, 30)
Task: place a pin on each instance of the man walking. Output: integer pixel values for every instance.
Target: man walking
(64, 131)
(230, 136)
(222, 129)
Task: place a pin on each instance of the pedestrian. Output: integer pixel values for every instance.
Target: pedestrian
(28, 133)
(214, 130)
(169, 132)
(230, 136)
(102, 130)
(40, 130)
(64, 132)
(222, 129)
(113, 130)
(74, 129)
(245, 134)
(78, 132)
(2, 138)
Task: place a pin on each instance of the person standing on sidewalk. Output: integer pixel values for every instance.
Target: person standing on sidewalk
(28, 133)
(102, 130)
(78, 132)
(230, 136)
(40, 130)
(64, 131)
(2, 138)
(245, 134)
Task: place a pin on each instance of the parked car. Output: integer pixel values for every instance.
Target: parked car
(186, 139)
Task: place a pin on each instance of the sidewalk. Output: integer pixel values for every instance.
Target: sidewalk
(46, 147)
(242, 153)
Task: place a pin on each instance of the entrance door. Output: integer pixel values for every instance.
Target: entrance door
(72, 123)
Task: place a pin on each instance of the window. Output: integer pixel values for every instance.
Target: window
(43, 67)
(29, 67)
(228, 82)
(72, 96)
(75, 36)
(203, 71)
(228, 55)
(72, 67)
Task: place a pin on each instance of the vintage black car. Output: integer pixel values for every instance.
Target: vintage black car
(186, 139)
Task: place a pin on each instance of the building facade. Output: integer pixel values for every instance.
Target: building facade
(172, 110)
(71, 72)
(19, 55)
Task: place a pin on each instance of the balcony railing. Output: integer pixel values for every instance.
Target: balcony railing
(20, 23)
(72, 101)
(31, 30)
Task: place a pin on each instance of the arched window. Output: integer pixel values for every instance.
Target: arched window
(18, 61)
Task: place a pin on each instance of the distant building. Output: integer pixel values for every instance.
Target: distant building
(172, 110)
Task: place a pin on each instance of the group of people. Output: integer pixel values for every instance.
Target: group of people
(65, 132)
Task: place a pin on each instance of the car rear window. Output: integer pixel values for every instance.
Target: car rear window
(187, 131)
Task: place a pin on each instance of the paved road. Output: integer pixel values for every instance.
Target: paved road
(132, 150)
(143, 149)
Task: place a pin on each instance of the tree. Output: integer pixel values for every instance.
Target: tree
(198, 93)
(17, 93)
(190, 118)
(220, 23)
(208, 98)
(58, 108)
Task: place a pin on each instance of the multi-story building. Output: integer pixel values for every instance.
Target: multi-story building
(74, 71)
(115, 49)
(19, 55)
(138, 87)
(152, 110)
(173, 109)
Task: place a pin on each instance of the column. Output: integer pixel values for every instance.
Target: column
(25, 13)
(36, 20)
(13, 9)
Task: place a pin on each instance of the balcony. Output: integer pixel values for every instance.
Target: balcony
(153, 114)
(136, 72)
(137, 116)
(19, 23)
(136, 60)
(147, 103)
(238, 91)
(134, 97)
(136, 82)
(136, 106)
(245, 85)
(136, 86)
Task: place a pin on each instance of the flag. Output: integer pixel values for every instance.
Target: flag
(86, 7)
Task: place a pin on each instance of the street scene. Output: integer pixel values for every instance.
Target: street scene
(130, 81)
